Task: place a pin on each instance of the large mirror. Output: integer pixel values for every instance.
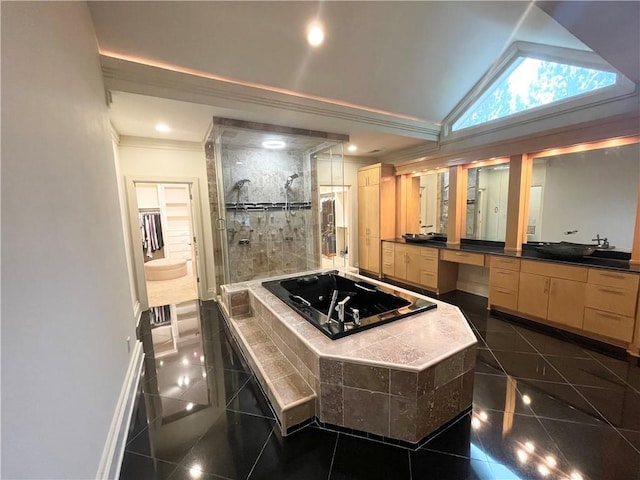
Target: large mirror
(434, 201)
(487, 192)
(582, 196)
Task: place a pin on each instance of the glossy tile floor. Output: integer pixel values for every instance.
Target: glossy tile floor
(544, 407)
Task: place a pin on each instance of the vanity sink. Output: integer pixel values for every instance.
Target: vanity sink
(565, 250)
(424, 238)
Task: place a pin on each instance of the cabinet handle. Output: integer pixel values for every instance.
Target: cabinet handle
(546, 285)
(503, 291)
(462, 254)
(506, 273)
(608, 315)
(612, 275)
(613, 292)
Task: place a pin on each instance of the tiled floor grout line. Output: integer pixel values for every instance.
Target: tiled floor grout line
(335, 448)
(238, 392)
(573, 386)
(409, 461)
(262, 450)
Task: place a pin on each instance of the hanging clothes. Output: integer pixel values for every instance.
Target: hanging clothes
(160, 315)
(151, 232)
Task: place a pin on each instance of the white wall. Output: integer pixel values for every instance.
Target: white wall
(65, 287)
(154, 159)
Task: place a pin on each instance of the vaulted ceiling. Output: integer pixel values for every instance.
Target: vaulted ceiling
(387, 73)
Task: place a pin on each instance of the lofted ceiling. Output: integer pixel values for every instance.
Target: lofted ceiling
(391, 70)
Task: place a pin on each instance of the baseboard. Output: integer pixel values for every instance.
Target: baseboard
(211, 294)
(113, 452)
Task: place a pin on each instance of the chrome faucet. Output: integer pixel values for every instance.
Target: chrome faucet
(341, 306)
(605, 241)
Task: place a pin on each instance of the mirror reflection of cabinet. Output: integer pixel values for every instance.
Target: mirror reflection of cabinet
(434, 202)
(592, 192)
(486, 209)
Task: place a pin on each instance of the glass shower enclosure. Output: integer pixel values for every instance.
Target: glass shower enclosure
(265, 183)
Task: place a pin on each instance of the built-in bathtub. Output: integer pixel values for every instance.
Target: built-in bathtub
(339, 304)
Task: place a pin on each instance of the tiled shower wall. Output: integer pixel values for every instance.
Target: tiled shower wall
(279, 241)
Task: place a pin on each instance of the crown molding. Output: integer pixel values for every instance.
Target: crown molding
(164, 144)
(133, 77)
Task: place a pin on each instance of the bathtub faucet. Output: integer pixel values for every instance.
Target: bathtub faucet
(341, 306)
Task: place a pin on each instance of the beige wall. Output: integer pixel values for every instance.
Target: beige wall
(66, 315)
(156, 159)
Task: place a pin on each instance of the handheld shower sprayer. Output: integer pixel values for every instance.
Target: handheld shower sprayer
(290, 179)
(242, 183)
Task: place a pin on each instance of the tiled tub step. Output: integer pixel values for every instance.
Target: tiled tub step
(291, 397)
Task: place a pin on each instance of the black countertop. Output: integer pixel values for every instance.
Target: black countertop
(598, 260)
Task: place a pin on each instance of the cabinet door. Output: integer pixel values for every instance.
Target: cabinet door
(533, 294)
(566, 302)
(372, 209)
(363, 251)
(413, 264)
(374, 254)
(400, 262)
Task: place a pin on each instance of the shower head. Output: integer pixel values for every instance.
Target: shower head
(290, 180)
(241, 183)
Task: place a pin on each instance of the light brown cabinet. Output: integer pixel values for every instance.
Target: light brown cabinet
(610, 304)
(417, 265)
(586, 300)
(552, 292)
(376, 205)
(504, 281)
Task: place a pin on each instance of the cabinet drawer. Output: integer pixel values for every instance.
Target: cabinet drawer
(429, 264)
(388, 268)
(505, 263)
(608, 324)
(429, 279)
(613, 279)
(429, 252)
(548, 269)
(463, 257)
(611, 299)
(503, 297)
(508, 279)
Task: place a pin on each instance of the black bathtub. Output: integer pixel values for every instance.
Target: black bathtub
(340, 304)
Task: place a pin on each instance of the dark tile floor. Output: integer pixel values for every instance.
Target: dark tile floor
(544, 406)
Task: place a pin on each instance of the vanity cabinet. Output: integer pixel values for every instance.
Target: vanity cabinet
(504, 282)
(407, 263)
(592, 301)
(376, 208)
(610, 304)
(418, 265)
(552, 292)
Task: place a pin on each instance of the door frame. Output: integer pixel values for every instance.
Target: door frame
(136, 239)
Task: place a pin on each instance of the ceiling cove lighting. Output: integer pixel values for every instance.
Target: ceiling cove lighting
(315, 35)
(163, 128)
(274, 144)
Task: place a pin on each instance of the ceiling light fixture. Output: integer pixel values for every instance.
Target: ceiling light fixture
(315, 35)
(352, 148)
(526, 399)
(163, 128)
(274, 144)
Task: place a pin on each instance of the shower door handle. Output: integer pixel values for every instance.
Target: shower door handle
(221, 224)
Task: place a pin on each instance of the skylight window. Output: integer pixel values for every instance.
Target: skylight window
(528, 83)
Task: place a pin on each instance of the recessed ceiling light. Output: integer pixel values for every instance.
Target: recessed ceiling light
(163, 127)
(315, 35)
(352, 148)
(274, 144)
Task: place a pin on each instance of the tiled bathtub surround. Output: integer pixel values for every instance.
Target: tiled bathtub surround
(402, 380)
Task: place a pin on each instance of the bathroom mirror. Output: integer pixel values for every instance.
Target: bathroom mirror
(577, 196)
(487, 192)
(434, 201)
